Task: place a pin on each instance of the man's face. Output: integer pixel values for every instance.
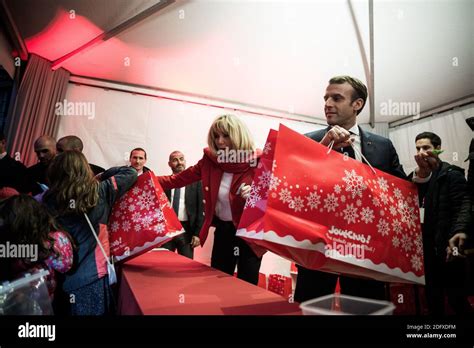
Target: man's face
(339, 109)
(137, 160)
(45, 151)
(423, 145)
(177, 162)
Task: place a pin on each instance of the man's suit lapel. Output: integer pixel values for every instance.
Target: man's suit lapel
(188, 195)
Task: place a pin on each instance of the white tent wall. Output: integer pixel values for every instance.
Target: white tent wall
(121, 121)
(450, 126)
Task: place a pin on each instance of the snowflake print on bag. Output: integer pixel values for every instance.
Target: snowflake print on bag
(126, 226)
(383, 227)
(274, 182)
(297, 203)
(253, 198)
(145, 200)
(330, 202)
(265, 179)
(350, 213)
(136, 217)
(115, 226)
(416, 262)
(397, 226)
(147, 220)
(354, 183)
(367, 215)
(395, 241)
(159, 228)
(407, 213)
(384, 198)
(314, 200)
(383, 184)
(285, 195)
(406, 243)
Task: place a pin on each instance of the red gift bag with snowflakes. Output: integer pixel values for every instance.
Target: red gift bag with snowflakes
(326, 211)
(141, 219)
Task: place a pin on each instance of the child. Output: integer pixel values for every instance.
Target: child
(26, 225)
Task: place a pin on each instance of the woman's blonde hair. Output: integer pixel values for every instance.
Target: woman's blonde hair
(237, 131)
(72, 183)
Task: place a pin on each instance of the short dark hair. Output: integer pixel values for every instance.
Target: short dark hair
(72, 142)
(360, 90)
(137, 149)
(2, 136)
(435, 140)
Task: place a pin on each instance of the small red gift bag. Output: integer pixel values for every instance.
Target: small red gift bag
(279, 284)
(141, 219)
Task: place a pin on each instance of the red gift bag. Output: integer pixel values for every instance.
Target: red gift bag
(142, 219)
(326, 211)
(279, 284)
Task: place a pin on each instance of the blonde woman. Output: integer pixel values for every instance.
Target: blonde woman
(226, 171)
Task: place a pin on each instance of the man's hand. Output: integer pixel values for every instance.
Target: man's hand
(456, 245)
(195, 242)
(427, 162)
(341, 137)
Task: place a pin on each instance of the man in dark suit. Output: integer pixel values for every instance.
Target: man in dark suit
(74, 143)
(345, 98)
(45, 148)
(187, 202)
(12, 172)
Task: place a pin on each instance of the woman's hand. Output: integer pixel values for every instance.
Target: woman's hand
(244, 191)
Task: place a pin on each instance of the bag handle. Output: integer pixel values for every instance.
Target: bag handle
(110, 266)
(331, 144)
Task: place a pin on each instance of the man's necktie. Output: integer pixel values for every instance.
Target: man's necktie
(177, 192)
(348, 151)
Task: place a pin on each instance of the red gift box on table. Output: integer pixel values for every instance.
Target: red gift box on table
(141, 219)
(327, 211)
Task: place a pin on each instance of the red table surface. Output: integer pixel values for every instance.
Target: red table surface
(165, 283)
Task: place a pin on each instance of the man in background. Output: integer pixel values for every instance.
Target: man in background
(138, 160)
(445, 220)
(45, 149)
(12, 172)
(74, 143)
(187, 202)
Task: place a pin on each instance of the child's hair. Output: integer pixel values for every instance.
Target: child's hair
(72, 184)
(23, 220)
(237, 131)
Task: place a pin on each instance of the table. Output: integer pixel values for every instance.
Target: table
(165, 283)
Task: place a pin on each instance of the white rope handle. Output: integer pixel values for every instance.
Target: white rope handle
(331, 145)
(363, 157)
(98, 241)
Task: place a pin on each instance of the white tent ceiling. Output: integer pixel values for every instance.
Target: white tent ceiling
(272, 54)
